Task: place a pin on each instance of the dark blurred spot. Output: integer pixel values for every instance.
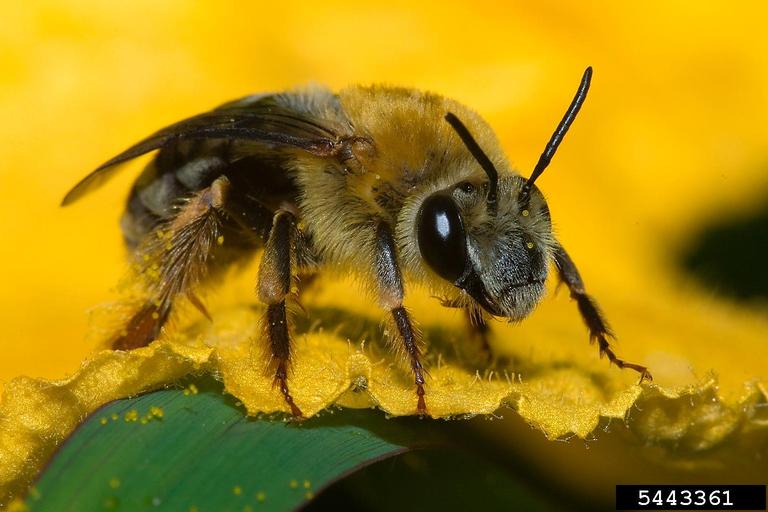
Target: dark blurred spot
(438, 480)
(732, 257)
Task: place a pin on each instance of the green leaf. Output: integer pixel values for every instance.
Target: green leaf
(184, 450)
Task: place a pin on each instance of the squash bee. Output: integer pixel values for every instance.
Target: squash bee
(385, 183)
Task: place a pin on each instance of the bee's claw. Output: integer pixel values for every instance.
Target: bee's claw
(421, 404)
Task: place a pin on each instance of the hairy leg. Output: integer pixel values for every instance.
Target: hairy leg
(274, 285)
(390, 287)
(175, 259)
(598, 327)
(479, 329)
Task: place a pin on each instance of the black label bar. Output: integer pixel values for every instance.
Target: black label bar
(690, 497)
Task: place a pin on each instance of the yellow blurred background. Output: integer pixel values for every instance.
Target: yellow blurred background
(671, 138)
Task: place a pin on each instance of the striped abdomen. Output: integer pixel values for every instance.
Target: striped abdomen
(258, 186)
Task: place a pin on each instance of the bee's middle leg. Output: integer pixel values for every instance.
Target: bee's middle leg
(274, 285)
(390, 286)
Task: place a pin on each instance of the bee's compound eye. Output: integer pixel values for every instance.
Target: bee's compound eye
(441, 236)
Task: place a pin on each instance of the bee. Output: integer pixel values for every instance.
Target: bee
(387, 184)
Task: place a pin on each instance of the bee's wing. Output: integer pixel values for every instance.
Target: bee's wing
(260, 119)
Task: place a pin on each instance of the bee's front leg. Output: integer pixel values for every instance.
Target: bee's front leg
(274, 284)
(597, 325)
(390, 288)
(479, 330)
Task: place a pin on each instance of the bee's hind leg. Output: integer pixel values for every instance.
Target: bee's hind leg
(274, 285)
(175, 259)
(390, 287)
(597, 325)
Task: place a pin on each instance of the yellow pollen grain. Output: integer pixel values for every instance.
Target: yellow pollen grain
(237, 490)
(115, 416)
(247, 508)
(144, 421)
(131, 415)
(309, 495)
(193, 509)
(104, 421)
(220, 240)
(526, 213)
(529, 245)
(156, 412)
(261, 496)
(307, 484)
(155, 315)
(293, 484)
(193, 389)
(114, 483)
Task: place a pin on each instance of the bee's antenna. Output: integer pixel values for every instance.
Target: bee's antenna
(557, 137)
(480, 156)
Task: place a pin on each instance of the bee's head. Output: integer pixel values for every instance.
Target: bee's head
(499, 258)
(493, 239)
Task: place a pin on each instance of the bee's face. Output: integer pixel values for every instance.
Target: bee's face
(500, 260)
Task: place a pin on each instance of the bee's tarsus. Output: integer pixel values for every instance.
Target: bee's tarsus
(598, 327)
(143, 328)
(281, 381)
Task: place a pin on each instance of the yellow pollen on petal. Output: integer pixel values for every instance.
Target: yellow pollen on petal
(237, 490)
